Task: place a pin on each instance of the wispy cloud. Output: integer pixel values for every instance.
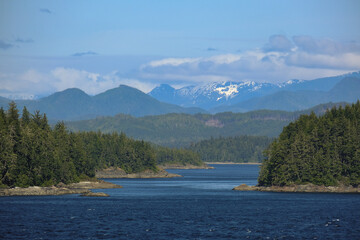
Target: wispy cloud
(92, 83)
(21, 40)
(171, 62)
(45, 10)
(5, 45)
(80, 54)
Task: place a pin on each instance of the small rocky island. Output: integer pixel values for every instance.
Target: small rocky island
(82, 188)
(184, 166)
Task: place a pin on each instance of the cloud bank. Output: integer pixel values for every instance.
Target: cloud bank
(59, 79)
(279, 60)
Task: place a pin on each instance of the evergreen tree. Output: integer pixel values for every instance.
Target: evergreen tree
(320, 150)
(33, 154)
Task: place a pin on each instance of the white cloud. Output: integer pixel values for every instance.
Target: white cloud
(279, 61)
(224, 59)
(347, 61)
(94, 83)
(32, 82)
(172, 62)
(72, 78)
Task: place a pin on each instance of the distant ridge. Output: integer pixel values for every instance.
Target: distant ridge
(74, 104)
(180, 130)
(347, 90)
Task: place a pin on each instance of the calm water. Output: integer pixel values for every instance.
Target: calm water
(201, 205)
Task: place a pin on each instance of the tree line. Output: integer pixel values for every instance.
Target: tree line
(176, 156)
(321, 150)
(240, 149)
(34, 154)
(180, 130)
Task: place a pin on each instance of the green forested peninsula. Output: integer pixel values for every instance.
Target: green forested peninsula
(319, 150)
(240, 149)
(176, 156)
(33, 154)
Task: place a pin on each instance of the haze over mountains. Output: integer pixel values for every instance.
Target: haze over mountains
(293, 95)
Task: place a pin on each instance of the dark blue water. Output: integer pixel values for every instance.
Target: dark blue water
(201, 205)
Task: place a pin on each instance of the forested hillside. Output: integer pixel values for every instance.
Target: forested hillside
(240, 149)
(34, 154)
(180, 130)
(321, 150)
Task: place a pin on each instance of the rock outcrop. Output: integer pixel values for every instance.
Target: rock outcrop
(94, 194)
(186, 166)
(308, 188)
(119, 173)
(59, 189)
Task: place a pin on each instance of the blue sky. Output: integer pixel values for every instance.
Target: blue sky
(48, 46)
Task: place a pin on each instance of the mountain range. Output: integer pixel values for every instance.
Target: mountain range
(347, 90)
(74, 104)
(247, 96)
(294, 95)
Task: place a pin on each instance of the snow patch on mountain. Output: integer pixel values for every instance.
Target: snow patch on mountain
(227, 91)
(216, 94)
(290, 82)
(221, 90)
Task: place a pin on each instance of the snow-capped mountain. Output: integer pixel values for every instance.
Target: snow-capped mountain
(213, 95)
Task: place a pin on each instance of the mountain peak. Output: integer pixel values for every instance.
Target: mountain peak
(126, 87)
(163, 87)
(164, 93)
(68, 94)
(73, 90)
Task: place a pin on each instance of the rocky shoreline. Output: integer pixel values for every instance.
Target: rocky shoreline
(119, 173)
(234, 163)
(187, 166)
(61, 189)
(308, 188)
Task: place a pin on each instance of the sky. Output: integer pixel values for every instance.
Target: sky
(49, 46)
